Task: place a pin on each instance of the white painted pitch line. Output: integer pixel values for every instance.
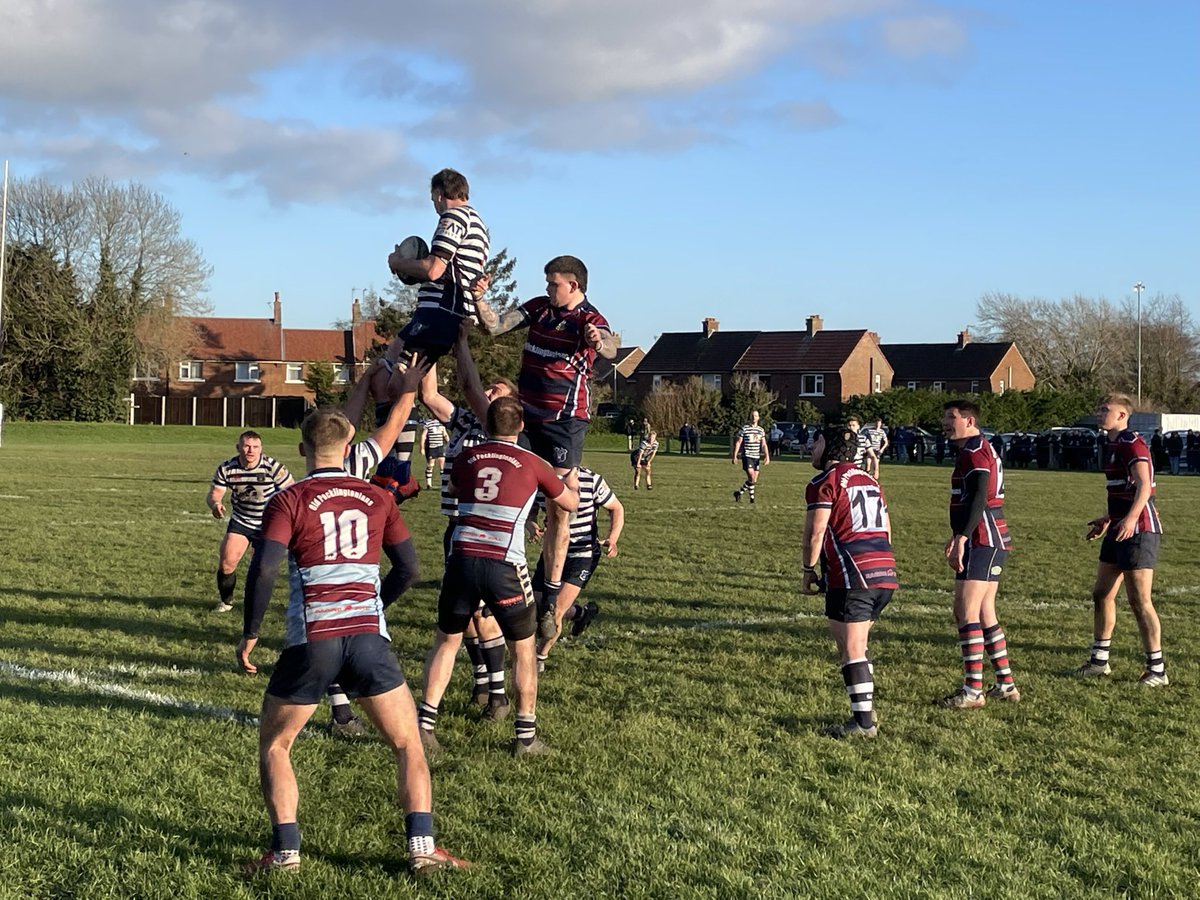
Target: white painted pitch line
(13, 497)
(71, 678)
(168, 672)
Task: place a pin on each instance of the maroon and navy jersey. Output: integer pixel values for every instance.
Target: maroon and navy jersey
(497, 484)
(557, 361)
(1120, 456)
(856, 553)
(977, 455)
(335, 527)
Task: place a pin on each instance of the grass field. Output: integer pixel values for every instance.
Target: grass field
(686, 723)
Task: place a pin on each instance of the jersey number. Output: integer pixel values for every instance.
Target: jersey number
(489, 484)
(866, 509)
(345, 534)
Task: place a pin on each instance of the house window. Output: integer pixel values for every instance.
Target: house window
(812, 385)
(246, 371)
(1002, 385)
(912, 385)
(658, 382)
(939, 386)
(191, 370)
(757, 379)
(974, 387)
(878, 384)
(343, 375)
(145, 371)
(295, 372)
(712, 381)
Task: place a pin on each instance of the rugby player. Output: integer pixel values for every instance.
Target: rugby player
(496, 483)
(565, 334)
(483, 638)
(1132, 531)
(847, 530)
(333, 528)
(583, 555)
(751, 448)
(864, 455)
(977, 551)
(433, 446)
(457, 256)
(252, 479)
(877, 440)
(641, 458)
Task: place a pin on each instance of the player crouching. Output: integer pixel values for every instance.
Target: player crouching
(847, 528)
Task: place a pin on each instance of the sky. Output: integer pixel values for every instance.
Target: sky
(882, 163)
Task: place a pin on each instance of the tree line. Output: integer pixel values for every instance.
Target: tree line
(96, 277)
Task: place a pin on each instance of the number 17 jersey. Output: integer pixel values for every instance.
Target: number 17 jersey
(856, 553)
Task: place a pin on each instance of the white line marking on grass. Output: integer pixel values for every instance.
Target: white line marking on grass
(1182, 589)
(721, 624)
(168, 672)
(660, 511)
(13, 497)
(72, 678)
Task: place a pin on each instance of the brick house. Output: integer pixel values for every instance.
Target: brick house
(822, 366)
(965, 366)
(618, 373)
(233, 361)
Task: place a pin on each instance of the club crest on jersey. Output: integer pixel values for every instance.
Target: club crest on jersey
(560, 454)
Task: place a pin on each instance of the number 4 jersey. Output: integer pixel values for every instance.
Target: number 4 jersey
(496, 483)
(856, 553)
(335, 527)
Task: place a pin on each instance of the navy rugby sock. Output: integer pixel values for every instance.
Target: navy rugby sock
(285, 836)
(226, 585)
(418, 828)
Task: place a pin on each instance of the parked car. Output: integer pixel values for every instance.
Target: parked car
(916, 441)
(802, 439)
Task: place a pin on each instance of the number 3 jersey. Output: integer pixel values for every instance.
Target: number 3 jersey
(856, 553)
(335, 527)
(497, 484)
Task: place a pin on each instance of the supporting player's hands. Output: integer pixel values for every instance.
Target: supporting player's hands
(218, 509)
(610, 547)
(409, 380)
(245, 645)
(1098, 527)
(592, 335)
(480, 285)
(956, 547)
(533, 530)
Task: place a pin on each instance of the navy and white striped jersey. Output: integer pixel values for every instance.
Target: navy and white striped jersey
(645, 451)
(466, 431)
(461, 239)
(364, 457)
(594, 492)
(251, 489)
(435, 434)
(753, 439)
(861, 447)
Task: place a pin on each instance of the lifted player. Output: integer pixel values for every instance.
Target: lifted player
(848, 530)
(252, 479)
(977, 550)
(334, 528)
(1132, 531)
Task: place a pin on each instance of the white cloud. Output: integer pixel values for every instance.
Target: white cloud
(134, 85)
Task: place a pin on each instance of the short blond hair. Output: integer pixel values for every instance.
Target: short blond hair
(1119, 399)
(324, 429)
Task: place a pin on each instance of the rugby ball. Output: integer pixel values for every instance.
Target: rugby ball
(413, 247)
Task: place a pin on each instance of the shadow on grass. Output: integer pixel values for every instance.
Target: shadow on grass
(155, 628)
(82, 697)
(97, 656)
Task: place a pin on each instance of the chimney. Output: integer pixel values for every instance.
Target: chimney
(964, 338)
(355, 313)
(710, 326)
(278, 317)
(813, 324)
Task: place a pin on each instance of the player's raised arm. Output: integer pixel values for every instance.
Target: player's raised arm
(357, 401)
(602, 340)
(468, 374)
(438, 404)
(404, 386)
(495, 323)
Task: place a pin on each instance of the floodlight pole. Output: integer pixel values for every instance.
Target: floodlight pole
(1139, 287)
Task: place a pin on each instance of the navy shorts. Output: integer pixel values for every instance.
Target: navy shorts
(435, 452)
(576, 570)
(431, 332)
(253, 535)
(503, 587)
(1138, 552)
(363, 664)
(750, 465)
(845, 605)
(558, 441)
(982, 563)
